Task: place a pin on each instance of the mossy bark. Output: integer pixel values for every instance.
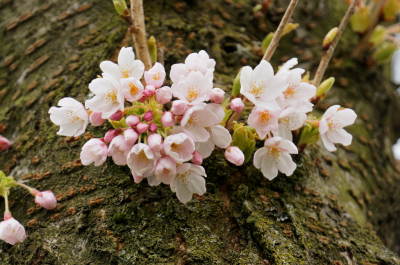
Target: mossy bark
(329, 211)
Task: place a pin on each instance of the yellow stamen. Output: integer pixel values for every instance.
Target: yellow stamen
(264, 117)
(134, 89)
(142, 158)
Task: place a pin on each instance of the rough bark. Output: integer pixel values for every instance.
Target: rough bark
(329, 212)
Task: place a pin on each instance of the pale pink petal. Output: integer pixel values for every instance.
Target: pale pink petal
(286, 164)
(328, 143)
(220, 136)
(340, 136)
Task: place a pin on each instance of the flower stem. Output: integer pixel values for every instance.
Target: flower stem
(31, 190)
(326, 56)
(5, 195)
(138, 31)
(275, 40)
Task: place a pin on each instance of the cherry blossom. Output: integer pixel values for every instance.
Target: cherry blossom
(11, 231)
(260, 86)
(274, 156)
(71, 117)
(155, 76)
(331, 126)
(142, 160)
(289, 120)
(127, 65)
(132, 89)
(264, 120)
(179, 147)
(163, 95)
(165, 170)
(189, 179)
(119, 150)
(194, 89)
(108, 97)
(95, 151)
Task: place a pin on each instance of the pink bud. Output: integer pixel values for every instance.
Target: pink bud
(117, 116)
(168, 119)
(111, 134)
(132, 120)
(4, 143)
(142, 127)
(95, 119)
(153, 127)
(217, 95)
(148, 116)
(142, 99)
(130, 136)
(197, 158)
(234, 155)
(46, 199)
(149, 91)
(178, 107)
(163, 95)
(237, 105)
(155, 142)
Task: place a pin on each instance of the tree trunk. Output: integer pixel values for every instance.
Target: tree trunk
(337, 208)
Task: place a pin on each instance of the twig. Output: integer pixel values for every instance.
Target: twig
(275, 40)
(138, 31)
(363, 43)
(326, 56)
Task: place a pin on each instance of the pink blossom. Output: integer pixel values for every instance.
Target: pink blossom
(197, 159)
(4, 143)
(131, 88)
(165, 170)
(142, 160)
(149, 91)
(117, 116)
(130, 136)
(95, 119)
(95, 151)
(168, 119)
(111, 134)
(132, 120)
(237, 105)
(142, 127)
(274, 156)
(179, 147)
(263, 120)
(148, 116)
(331, 126)
(219, 136)
(163, 95)
(189, 179)
(155, 76)
(234, 155)
(155, 142)
(217, 95)
(119, 150)
(289, 120)
(178, 107)
(11, 231)
(194, 89)
(46, 199)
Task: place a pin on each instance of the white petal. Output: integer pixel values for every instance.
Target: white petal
(262, 72)
(111, 69)
(220, 136)
(217, 110)
(341, 137)
(245, 79)
(328, 143)
(269, 168)
(126, 57)
(345, 117)
(183, 192)
(205, 148)
(275, 86)
(286, 164)
(259, 156)
(137, 69)
(198, 184)
(330, 111)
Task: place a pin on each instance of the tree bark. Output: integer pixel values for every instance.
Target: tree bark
(337, 208)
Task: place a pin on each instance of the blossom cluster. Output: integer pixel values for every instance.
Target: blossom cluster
(163, 133)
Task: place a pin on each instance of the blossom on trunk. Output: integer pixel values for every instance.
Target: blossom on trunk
(127, 65)
(165, 170)
(132, 89)
(274, 156)
(11, 231)
(142, 160)
(260, 86)
(264, 120)
(289, 120)
(108, 97)
(95, 151)
(195, 89)
(179, 147)
(155, 76)
(46, 199)
(119, 150)
(71, 117)
(331, 126)
(189, 179)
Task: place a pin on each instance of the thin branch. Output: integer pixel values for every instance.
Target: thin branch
(277, 36)
(326, 56)
(363, 43)
(138, 31)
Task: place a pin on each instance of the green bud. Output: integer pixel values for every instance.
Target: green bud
(391, 9)
(384, 52)
(257, 8)
(324, 87)
(378, 36)
(236, 84)
(244, 139)
(309, 135)
(289, 28)
(266, 41)
(120, 6)
(361, 19)
(326, 43)
(152, 49)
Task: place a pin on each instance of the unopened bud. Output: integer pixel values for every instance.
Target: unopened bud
(384, 52)
(324, 87)
(197, 158)
(153, 127)
(217, 95)
(130, 136)
(378, 36)
(149, 91)
(132, 120)
(289, 28)
(111, 134)
(95, 119)
(178, 107)
(237, 105)
(168, 119)
(234, 155)
(148, 116)
(142, 127)
(326, 43)
(155, 142)
(390, 10)
(120, 6)
(117, 116)
(361, 19)
(152, 49)
(4, 143)
(236, 84)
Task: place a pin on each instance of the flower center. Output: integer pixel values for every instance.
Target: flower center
(156, 77)
(333, 126)
(125, 73)
(134, 89)
(275, 152)
(72, 117)
(264, 117)
(193, 120)
(111, 96)
(290, 91)
(176, 147)
(142, 158)
(184, 178)
(166, 171)
(193, 93)
(257, 89)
